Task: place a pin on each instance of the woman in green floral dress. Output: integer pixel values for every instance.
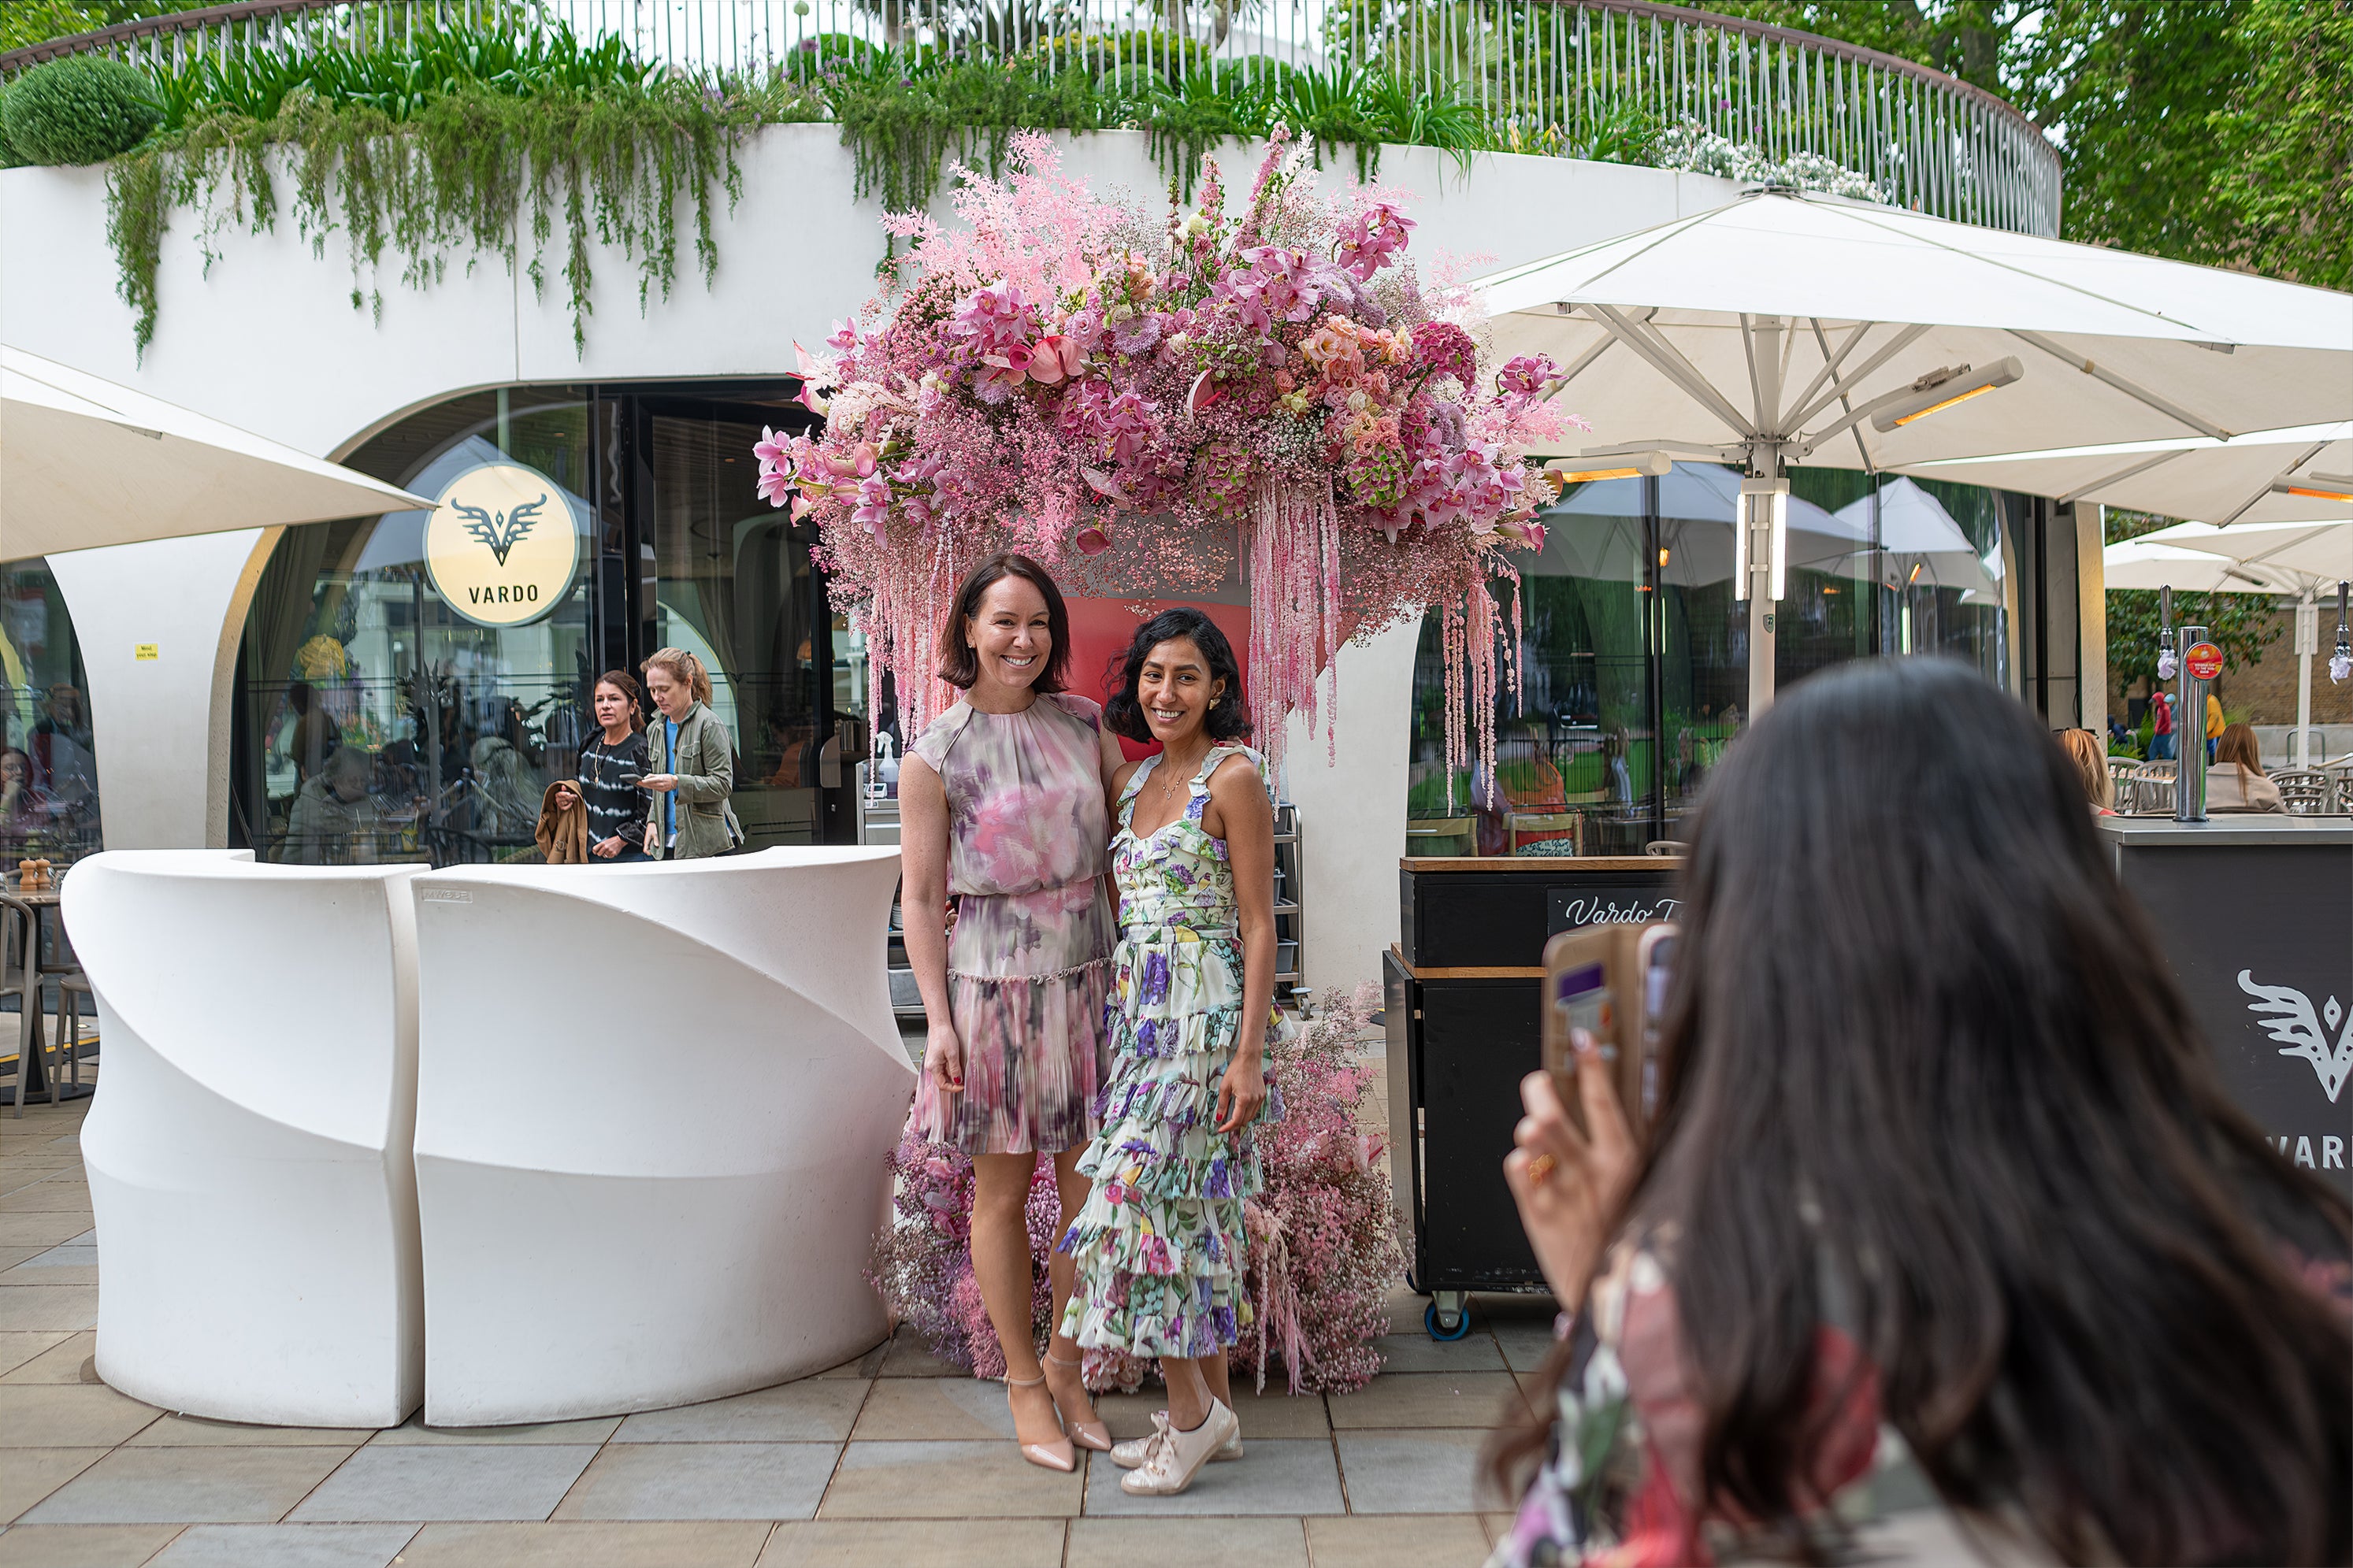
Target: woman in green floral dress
(1160, 1246)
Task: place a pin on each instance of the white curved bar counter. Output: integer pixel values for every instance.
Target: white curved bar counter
(250, 1163)
(652, 1143)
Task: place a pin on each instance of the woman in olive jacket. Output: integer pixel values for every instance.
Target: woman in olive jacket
(692, 764)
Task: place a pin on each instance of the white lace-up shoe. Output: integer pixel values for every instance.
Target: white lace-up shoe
(1127, 1456)
(1173, 1457)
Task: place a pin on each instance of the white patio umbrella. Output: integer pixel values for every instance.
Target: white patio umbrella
(2299, 475)
(2307, 560)
(86, 462)
(2143, 563)
(1787, 328)
(1595, 532)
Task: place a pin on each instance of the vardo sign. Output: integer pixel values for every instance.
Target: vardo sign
(502, 545)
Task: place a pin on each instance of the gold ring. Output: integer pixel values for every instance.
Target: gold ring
(1540, 1169)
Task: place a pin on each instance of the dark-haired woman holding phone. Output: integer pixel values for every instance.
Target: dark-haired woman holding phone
(1160, 1244)
(1947, 1243)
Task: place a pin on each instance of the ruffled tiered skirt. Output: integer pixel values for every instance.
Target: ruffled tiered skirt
(1160, 1247)
(1026, 977)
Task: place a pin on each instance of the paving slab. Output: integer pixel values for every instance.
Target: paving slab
(73, 1358)
(908, 1357)
(285, 1546)
(965, 1542)
(22, 1345)
(1420, 1399)
(29, 1475)
(934, 1409)
(195, 1432)
(82, 1545)
(1275, 1476)
(58, 1306)
(43, 1230)
(702, 1544)
(47, 1415)
(414, 1435)
(60, 1192)
(188, 1486)
(1418, 1353)
(812, 1410)
(869, 1366)
(703, 1480)
(1171, 1543)
(387, 1485)
(1436, 1541)
(1413, 1472)
(1525, 1345)
(946, 1481)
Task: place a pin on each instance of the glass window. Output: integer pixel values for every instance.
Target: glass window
(389, 710)
(48, 757)
(1634, 653)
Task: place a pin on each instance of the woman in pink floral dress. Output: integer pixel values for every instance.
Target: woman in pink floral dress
(1002, 805)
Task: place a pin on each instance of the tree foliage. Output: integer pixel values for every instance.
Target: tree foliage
(2218, 132)
(2242, 625)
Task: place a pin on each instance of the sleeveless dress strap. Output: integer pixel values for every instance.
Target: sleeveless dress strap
(1134, 783)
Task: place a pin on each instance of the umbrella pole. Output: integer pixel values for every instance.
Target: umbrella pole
(2307, 642)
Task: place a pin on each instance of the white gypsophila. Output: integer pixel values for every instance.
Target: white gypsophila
(850, 403)
(1694, 148)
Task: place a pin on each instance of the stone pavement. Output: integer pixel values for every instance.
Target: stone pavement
(892, 1459)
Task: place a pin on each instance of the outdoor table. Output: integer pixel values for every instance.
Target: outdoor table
(2255, 913)
(1462, 1004)
(48, 939)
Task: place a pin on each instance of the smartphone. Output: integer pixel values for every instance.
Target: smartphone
(633, 779)
(1611, 980)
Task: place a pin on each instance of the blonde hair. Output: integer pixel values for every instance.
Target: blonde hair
(683, 667)
(2091, 760)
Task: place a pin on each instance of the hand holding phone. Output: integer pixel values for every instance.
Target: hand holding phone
(1610, 981)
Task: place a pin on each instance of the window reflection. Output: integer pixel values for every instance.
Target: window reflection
(49, 754)
(1634, 653)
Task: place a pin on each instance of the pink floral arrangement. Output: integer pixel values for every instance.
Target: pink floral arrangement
(1323, 1249)
(1061, 372)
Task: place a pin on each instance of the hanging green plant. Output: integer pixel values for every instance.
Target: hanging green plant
(903, 117)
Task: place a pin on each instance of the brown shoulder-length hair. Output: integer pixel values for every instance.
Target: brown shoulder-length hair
(622, 681)
(960, 667)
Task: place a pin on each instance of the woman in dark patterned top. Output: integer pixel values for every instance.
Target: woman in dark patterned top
(610, 765)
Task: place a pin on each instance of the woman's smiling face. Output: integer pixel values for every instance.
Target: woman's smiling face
(1012, 637)
(1175, 690)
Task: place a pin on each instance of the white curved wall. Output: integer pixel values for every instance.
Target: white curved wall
(652, 1136)
(250, 1169)
(269, 341)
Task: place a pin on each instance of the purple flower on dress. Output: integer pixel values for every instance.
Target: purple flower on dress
(1219, 1182)
(1147, 1033)
(1222, 1325)
(1155, 978)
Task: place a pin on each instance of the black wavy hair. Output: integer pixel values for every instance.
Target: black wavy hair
(1228, 719)
(1926, 1073)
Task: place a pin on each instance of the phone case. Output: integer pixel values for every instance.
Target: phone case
(1617, 1015)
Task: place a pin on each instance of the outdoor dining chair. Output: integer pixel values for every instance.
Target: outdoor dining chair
(2303, 790)
(1441, 836)
(20, 974)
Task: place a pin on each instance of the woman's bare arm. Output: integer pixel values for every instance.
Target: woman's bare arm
(923, 904)
(1240, 814)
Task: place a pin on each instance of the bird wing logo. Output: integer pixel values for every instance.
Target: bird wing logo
(2293, 1020)
(500, 531)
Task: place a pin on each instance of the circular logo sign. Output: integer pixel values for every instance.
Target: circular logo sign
(502, 546)
(2203, 660)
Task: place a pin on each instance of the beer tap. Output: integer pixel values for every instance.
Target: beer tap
(2340, 663)
(2166, 663)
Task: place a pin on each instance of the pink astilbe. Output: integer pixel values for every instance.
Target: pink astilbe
(1065, 377)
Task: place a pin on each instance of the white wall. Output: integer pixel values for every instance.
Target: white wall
(1351, 799)
(161, 722)
(270, 342)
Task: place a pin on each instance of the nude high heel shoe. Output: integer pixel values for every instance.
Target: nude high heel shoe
(1093, 1435)
(1057, 1454)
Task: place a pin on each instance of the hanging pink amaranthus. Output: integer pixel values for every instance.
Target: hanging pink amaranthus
(1064, 373)
(1323, 1251)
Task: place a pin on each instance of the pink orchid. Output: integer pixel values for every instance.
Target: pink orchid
(1525, 532)
(844, 338)
(873, 504)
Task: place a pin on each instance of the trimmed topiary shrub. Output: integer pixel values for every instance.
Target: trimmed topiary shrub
(8, 158)
(84, 109)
